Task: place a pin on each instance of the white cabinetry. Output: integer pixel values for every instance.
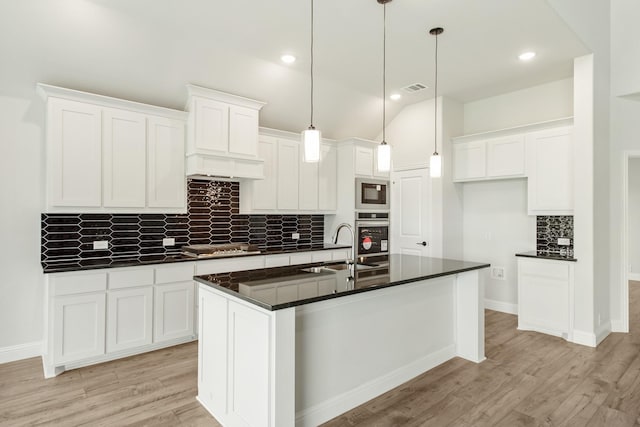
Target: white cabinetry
(550, 166)
(74, 153)
(491, 158)
(111, 155)
(222, 134)
(545, 296)
(79, 327)
(174, 315)
(366, 159)
(132, 310)
(288, 170)
(129, 318)
(290, 185)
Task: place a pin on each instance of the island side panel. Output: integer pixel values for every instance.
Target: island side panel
(246, 361)
(470, 315)
(352, 349)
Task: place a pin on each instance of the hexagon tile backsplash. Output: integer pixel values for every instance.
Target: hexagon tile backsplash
(212, 217)
(550, 229)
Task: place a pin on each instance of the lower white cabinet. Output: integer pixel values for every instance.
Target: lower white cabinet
(129, 318)
(78, 327)
(174, 311)
(545, 296)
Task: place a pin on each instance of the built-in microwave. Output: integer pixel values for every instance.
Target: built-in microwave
(372, 194)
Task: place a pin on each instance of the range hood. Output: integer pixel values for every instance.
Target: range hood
(222, 135)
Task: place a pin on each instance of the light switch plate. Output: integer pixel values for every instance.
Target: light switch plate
(497, 273)
(168, 241)
(295, 236)
(563, 241)
(100, 244)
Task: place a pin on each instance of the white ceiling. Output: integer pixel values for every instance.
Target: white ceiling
(147, 50)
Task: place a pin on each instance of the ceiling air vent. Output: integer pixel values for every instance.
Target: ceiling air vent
(413, 88)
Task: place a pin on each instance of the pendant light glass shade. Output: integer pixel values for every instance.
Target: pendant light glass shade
(384, 157)
(435, 162)
(311, 136)
(311, 141)
(435, 166)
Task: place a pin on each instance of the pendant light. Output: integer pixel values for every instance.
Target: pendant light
(435, 162)
(384, 149)
(311, 136)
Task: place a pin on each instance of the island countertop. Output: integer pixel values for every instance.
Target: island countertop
(284, 287)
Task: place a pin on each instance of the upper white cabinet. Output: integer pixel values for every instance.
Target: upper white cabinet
(111, 155)
(74, 153)
(491, 158)
(222, 134)
(365, 163)
(290, 185)
(550, 166)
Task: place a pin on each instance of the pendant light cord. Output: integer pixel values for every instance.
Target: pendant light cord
(435, 103)
(311, 64)
(384, 73)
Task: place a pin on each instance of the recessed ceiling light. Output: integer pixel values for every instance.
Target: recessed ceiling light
(395, 96)
(288, 59)
(526, 56)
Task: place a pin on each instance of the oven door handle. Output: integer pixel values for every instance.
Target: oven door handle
(362, 223)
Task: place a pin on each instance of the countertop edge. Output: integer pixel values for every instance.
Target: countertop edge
(334, 296)
(546, 257)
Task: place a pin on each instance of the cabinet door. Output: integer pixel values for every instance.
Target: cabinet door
(173, 317)
(327, 178)
(469, 160)
(550, 170)
(364, 161)
(308, 185)
(211, 126)
(243, 131)
(288, 174)
(129, 318)
(124, 155)
(265, 190)
(165, 163)
(378, 173)
(79, 327)
(74, 154)
(505, 156)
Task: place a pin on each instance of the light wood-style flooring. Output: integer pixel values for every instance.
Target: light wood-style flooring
(528, 379)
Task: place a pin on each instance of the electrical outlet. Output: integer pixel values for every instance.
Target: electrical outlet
(100, 244)
(563, 241)
(497, 273)
(168, 241)
(295, 236)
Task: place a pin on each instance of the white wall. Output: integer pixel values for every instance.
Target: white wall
(634, 216)
(495, 227)
(540, 103)
(21, 192)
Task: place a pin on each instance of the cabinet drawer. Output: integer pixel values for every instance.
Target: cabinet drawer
(180, 272)
(78, 283)
(302, 258)
(276, 261)
(229, 264)
(130, 278)
(321, 256)
(548, 269)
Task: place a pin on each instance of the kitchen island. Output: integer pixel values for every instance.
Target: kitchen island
(300, 345)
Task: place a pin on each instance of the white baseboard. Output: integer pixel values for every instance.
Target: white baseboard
(584, 338)
(618, 326)
(340, 404)
(603, 331)
(633, 276)
(20, 351)
(504, 307)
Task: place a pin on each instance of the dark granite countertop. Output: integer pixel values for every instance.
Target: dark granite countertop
(547, 255)
(261, 287)
(92, 264)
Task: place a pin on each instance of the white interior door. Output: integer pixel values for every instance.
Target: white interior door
(410, 212)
